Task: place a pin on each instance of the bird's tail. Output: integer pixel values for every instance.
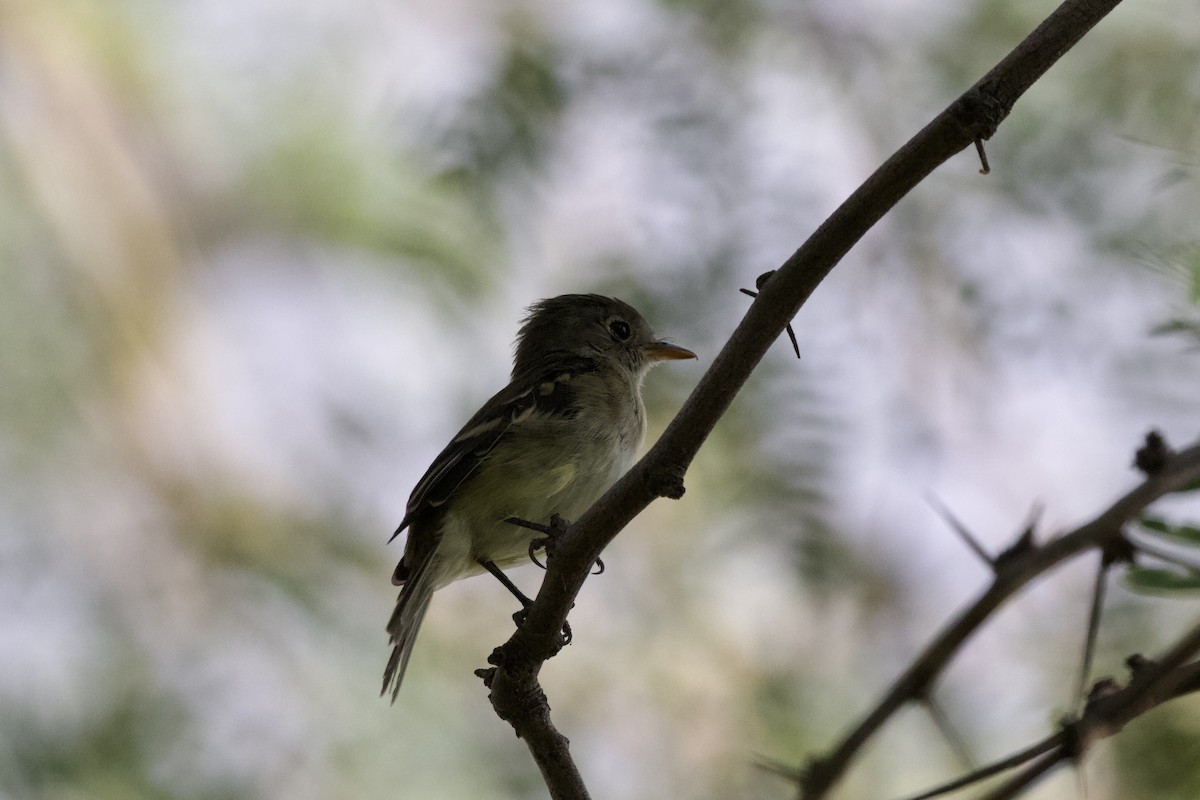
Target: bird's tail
(406, 619)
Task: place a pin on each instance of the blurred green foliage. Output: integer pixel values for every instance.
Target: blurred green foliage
(256, 258)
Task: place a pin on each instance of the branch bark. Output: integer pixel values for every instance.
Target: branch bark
(1151, 686)
(1012, 573)
(973, 117)
(1101, 718)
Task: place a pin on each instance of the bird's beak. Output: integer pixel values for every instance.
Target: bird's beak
(665, 351)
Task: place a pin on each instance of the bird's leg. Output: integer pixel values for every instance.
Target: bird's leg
(499, 575)
(564, 636)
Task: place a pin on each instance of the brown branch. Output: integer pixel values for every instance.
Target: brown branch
(1012, 574)
(1097, 722)
(1003, 765)
(1105, 716)
(974, 116)
(529, 713)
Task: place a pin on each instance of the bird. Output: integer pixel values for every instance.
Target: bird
(567, 425)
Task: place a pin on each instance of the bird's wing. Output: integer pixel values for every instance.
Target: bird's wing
(548, 392)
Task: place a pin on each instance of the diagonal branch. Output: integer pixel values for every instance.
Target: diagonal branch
(972, 117)
(1102, 717)
(1151, 686)
(1003, 765)
(1012, 574)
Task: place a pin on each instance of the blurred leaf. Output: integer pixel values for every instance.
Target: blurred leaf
(513, 120)
(320, 181)
(1154, 524)
(1158, 756)
(1187, 534)
(1177, 326)
(727, 26)
(106, 755)
(1157, 580)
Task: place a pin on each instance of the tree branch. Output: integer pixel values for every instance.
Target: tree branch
(1098, 721)
(1105, 716)
(1003, 765)
(974, 116)
(1012, 573)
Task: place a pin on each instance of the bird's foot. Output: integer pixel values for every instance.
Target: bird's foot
(550, 535)
(557, 527)
(564, 636)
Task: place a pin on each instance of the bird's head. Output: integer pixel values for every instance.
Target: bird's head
(590, 326)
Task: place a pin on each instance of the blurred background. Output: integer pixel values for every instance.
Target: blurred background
(260, 259)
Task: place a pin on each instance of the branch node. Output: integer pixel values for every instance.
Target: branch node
(1138, 662)
(1072, 745)
(1153, 455)
(498, 658)
(1104, 687)
(979, 112)
(1024, 543)
(815, 778)
(526, 701)
(1118, 550)
(952, 735)
(666, 481)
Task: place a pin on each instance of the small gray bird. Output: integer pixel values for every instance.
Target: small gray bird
(567, 425)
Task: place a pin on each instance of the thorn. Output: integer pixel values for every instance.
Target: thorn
(792, 335)
(779, 768)
(759, 282)
(1024, 542)
(959, 528)
(952, 736)
(985, 169)
(1035, 516)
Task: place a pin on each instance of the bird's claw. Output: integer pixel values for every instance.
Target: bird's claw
(565, 636)
(551, 533)
(557, 527)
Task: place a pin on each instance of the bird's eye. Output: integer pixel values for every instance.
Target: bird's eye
(620, 329)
